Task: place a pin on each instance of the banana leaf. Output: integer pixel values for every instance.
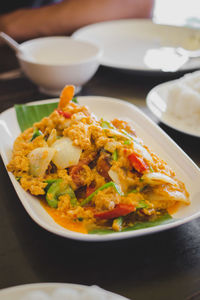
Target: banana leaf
(27, 115)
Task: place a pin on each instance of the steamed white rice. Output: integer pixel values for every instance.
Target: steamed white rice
(183, 100)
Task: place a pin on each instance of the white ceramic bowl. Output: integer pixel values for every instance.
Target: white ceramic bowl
(53, 62)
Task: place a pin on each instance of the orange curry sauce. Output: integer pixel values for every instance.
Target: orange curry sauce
(62, 221)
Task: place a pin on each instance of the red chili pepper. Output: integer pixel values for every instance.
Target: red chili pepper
(138, 163)
(89, 190)
(64, 114)
(119, 210)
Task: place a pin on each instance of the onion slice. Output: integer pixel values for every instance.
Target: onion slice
(115, 178)
(39, 160)
(67, 154)
(157, 178)
(138, 148)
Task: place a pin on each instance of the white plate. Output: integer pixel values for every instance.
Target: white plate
(17, 292)
(142, 45)
(152, 135)
(157, 103)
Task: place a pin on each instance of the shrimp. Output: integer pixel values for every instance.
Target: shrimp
(65, 96)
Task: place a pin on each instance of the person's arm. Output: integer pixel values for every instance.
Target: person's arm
(68, 15)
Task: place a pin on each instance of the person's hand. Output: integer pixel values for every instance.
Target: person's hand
(24, 24)
(69, 15)
(16, 24)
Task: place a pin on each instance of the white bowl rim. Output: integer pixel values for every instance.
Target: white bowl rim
(96, 56)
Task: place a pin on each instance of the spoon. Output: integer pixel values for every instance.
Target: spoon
(188, 53)
(12, 43)
(16, 47)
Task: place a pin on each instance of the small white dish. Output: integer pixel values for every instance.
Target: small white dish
(157, 103)
(53, 62)
(152, 136)
(22, 291)
(141, 45)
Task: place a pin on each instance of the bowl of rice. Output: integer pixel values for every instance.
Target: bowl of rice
(176, 103)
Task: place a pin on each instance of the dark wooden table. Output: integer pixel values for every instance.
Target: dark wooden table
(162, 266)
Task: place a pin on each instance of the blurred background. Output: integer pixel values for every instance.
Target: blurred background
(177, 12)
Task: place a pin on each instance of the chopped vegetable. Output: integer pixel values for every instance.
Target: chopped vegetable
(134, 191)
(119, 210)
(49, 183)
(70, 192)
(156, 178)
(151, 169)
(106, 124)
(75, 100)
(39, 160)
(142, 204)
(105, 186)
(115, 178)
(161, 220)
(66, 153)
(57, 189)
(65, 114)
(127, 134)
(36, 133)
(53, 193)
(117, 224)
(52, 137)
(138, 163)
(127, 142)
(115, 155)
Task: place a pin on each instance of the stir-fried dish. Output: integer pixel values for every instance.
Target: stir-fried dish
(91, 173)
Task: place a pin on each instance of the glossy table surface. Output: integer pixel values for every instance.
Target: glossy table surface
(163, 266)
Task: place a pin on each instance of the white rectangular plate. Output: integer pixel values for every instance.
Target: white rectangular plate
(152, 135)
(34, 290)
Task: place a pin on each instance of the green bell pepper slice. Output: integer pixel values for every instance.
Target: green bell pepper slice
(103, 187)
(56, 189)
